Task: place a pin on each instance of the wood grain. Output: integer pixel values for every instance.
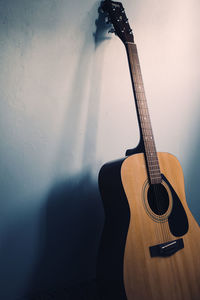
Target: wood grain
(168, 278)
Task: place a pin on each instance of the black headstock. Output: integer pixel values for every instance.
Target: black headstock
(116, 16)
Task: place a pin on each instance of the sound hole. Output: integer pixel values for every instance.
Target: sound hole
(158, 198)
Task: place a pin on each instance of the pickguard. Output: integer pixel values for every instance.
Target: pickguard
(178, 221)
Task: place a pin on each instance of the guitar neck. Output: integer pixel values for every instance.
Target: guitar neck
(143, 115)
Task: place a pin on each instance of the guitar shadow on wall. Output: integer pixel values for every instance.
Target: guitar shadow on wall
(73, 216)
(73, 222)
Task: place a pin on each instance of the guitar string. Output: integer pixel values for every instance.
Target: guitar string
(163, 224)
(137, 73)
(161, 233)
(159, 210)
(170, 235)
(155, 194)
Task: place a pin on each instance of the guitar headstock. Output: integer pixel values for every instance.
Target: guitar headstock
(119, 20)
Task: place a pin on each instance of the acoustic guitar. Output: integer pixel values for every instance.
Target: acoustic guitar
(150, 244)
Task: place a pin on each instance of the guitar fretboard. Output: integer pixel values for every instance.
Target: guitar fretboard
(143, 115)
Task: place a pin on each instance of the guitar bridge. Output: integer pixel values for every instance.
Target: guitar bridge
(166, 249)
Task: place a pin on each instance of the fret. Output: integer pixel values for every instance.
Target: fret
(156, 177)
(145, 121)
(142, 108)
(136, 62)
(143, 112)
(149, 156)
(139, 88)
(137, 77)
(151, 165)
(141, 97)
(148, 137)
(150, 146)
(147, 130)
(139, 92)
(154, 172)
(154, 161)
(156, 181)
(146, 125)
(137, 72)
(138, 81)
(141, 101)
(149, 143)
(150, 149)
(157, 171)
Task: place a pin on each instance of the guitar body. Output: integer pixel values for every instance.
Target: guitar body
(125, 267)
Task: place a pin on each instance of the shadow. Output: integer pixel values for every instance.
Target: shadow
(102, 28)
(73, 223)
(17, 250)
(73, 213)
(91, 60)
(90, 139)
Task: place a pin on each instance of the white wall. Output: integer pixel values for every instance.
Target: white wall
(66, 107)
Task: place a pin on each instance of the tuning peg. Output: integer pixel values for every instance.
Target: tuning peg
(107, 20)
(112, 30)
(100, 10)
